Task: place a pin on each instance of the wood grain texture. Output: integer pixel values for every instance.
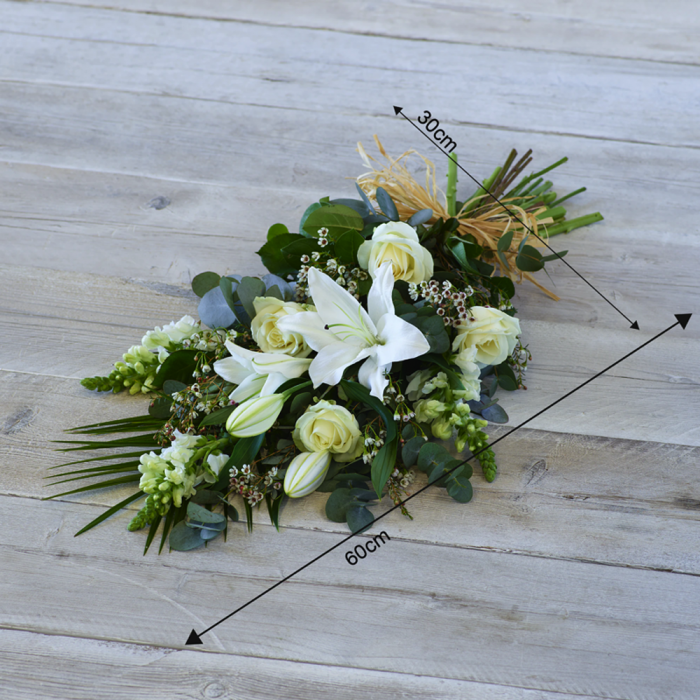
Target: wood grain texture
(625, 29)
(37, 666)
(287, 67)
(146, 141)
(490, 617)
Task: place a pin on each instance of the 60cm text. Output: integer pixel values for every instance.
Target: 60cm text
(361, 550)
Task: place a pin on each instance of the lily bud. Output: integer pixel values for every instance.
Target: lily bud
(255, 416)
(306, 473)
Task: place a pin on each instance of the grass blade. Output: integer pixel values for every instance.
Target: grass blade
(111, 511)
(100, 485)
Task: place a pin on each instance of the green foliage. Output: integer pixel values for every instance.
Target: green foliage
(178, 366)
(204, 281)
(337, 218)
(386, 204)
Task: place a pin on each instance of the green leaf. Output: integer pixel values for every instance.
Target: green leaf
(309, 210)
(461, 490)
(386, 204)
(204, 281)
(338, 219)
(170, 386)
(145, 440)
(110, 512)
(160, 408)
(206, 497)
(244, 452)
(276, 230)
(274, 259)
(435, 478)
(357, 392)
(504, 284)
(152, 533)
(217, 417)
(202, 515)
(529, 259)
(248, 289)
(432, 455)
(494, 414)
(99, 485)
(358, 519)
(420, 217)
(383, 464)
(183, 538)
(555, 256)
(409, 453)
(337, 504)
(178, 366)
(433, 328)
(504, 241)
(346, 247)
(365, 199)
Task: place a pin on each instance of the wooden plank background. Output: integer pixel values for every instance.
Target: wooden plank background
(575, 574)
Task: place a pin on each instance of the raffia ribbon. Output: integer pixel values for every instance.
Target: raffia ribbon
(491, 220)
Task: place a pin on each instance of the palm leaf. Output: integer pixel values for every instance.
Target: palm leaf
(99, 485)
(111, 511)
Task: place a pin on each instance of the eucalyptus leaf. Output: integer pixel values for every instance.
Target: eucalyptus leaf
(365, 199)
(430, 455)
(420, 217)
(358, 519)
(529, 259)
(410, 450)
(494, 414)
(337, 504)
(461, 491)
(183, 538)
(504, 241)
(205, 281)
(386, 204)
(214, 311)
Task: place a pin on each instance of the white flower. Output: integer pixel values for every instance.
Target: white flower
(255, 416)
(174, 332)
(343, 333)
(466, 361)
(325, 426)
(257, 373)
(492, 332)
(306, 473)
(215, 464)
(266, 333)
(397, 243)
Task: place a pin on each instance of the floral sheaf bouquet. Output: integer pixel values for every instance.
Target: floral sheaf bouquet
(385, 321)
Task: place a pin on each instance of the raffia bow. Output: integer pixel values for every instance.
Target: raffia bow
(481, 216)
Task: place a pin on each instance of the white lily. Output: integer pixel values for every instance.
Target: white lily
(343, 333)
(257, 373)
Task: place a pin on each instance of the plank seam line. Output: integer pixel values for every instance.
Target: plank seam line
(368, 33)
(361, 115)
(407, 540)
(202, 650)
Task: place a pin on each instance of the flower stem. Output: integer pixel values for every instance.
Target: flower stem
(452, 185)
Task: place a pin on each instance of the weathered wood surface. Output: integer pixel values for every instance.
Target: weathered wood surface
(575, 573)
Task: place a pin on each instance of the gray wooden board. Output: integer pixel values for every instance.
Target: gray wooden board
(485, 616)
(556, 581)
(625, 28)
(316, 72)
(38, 666)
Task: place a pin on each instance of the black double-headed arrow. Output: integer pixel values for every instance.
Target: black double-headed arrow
(634, 324)
(681, 320)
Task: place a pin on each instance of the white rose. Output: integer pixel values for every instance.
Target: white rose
(397, 243)
(325, 426)
(490, 331)
(266, 333)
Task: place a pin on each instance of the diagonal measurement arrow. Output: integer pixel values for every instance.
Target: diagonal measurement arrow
(398, 110)
(195, 638)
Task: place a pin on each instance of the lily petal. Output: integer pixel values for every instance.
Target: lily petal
(339, 309)
(249, 387)
(328, 366)
(379, 300)
(311, 328)
(233, 369)
(401, 340)
(372, 375)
